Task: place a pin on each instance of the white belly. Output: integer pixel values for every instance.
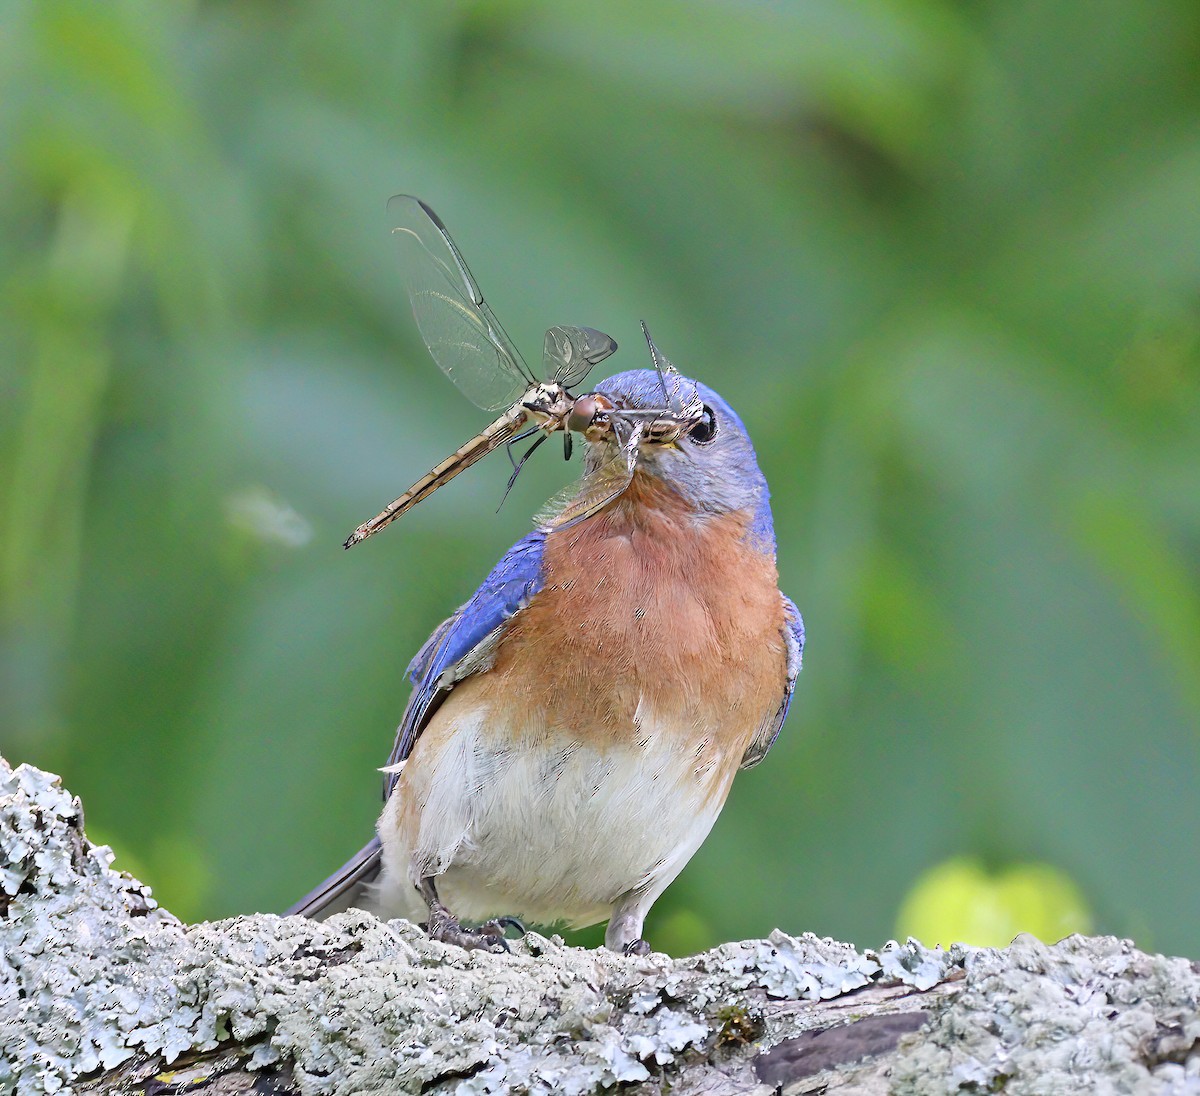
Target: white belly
(542, 827)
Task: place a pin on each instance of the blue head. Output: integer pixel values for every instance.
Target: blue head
(712, 464)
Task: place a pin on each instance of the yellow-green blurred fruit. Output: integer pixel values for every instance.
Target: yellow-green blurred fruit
(958, 901)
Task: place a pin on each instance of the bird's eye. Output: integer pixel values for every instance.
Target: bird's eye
(706, 429)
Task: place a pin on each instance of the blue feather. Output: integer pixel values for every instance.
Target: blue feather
(793, 622)
(513, 581)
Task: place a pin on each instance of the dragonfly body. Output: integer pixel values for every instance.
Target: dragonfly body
(548, 406)
(472, 348)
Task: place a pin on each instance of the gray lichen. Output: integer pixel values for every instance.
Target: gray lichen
(94, 973)
(1033, 1019)
(75, 939)
(98, 982)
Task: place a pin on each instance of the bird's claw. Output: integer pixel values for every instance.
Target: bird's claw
(499, 924)
(445, 927)
(637, 947)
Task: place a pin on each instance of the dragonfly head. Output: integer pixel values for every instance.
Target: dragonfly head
(589, 416)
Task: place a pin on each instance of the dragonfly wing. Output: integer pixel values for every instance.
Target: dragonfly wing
(461, 331)
(568, 353)
(585, 498)
(598, 487)
(682, 395)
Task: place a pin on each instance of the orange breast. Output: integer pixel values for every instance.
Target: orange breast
(648, 604)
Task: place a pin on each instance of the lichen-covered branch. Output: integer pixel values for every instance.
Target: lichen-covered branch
(103, 991)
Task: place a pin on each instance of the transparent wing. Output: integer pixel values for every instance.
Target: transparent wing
(569, 353)
(681, 395)
(586, 497)
(460, 330)
(599, 486)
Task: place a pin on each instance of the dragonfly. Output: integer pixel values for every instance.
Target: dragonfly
(470, 346)
(596, 417)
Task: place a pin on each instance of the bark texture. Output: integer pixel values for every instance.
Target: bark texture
(102, 991)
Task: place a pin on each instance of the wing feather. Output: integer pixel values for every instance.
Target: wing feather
(793, 635)
(465, 643)
(460, 646)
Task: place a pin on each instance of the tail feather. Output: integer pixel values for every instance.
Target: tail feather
(346, 887)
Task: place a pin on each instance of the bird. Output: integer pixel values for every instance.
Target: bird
(574, 728)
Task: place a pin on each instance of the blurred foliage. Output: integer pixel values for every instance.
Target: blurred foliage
(958, 900)
(943, 256)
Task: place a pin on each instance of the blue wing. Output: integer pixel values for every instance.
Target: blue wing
(793, 635)
(465, 644)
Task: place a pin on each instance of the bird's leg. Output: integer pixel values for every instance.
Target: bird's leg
(624, 933)
(444, 926)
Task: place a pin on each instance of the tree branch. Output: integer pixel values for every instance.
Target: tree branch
(102, 991)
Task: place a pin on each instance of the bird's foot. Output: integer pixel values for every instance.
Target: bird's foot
(445, 927)
(499, 925)
(636, 947)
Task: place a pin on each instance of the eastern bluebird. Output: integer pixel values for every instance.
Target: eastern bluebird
(575, 727)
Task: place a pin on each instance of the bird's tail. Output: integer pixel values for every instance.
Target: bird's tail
(344, 888)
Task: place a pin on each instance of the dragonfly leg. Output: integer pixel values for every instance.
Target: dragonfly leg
(444, 926)
(518, 465)
(508, 445)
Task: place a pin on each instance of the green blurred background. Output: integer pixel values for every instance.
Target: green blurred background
(944, 257)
